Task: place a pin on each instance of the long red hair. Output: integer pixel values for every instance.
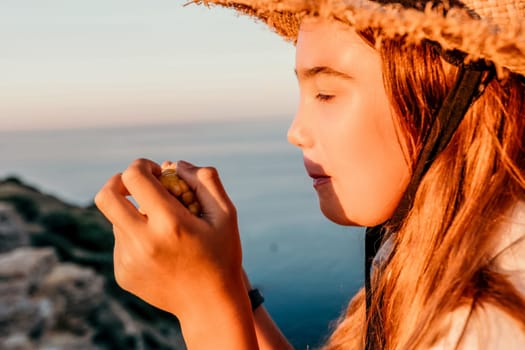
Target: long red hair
(443, 256)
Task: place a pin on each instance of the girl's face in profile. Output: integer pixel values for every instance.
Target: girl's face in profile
(345, 127)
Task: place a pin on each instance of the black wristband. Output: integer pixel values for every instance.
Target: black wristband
(256, 298)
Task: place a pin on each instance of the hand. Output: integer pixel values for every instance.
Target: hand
(164, 254)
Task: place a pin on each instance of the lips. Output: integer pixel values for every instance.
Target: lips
(316, 172)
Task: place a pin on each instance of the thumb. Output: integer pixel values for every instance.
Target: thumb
(208, 188)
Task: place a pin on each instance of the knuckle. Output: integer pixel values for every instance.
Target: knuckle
(169, 225)
(132, 175)
(230, 214)
(139, 163)
(208, 173)
(231, 210)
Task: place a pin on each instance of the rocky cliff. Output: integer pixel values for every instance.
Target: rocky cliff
(57, 289)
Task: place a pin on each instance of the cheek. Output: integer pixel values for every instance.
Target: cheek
(372, 173)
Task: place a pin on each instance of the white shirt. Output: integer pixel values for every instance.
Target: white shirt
(490, 328)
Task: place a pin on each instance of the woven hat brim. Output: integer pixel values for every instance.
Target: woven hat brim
(480, 39)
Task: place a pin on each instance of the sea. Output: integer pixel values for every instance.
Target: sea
(307, 267)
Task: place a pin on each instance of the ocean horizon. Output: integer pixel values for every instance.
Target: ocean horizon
(307, 267)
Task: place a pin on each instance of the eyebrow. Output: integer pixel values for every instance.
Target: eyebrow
(306, 74)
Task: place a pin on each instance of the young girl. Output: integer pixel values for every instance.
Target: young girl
(411, 121)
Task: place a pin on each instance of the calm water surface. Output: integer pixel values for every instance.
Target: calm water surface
(307, 267)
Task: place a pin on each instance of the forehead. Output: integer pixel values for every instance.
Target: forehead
(329, 43)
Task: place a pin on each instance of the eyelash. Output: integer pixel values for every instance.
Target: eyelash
(324, 97)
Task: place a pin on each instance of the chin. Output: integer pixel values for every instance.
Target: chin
(338, 215)
(351, 214)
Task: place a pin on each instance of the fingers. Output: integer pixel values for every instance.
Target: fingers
(208, 188)
(141, 180)
(112, 202)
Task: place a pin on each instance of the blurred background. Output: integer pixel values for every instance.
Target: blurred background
(88, 87)
(128, 62)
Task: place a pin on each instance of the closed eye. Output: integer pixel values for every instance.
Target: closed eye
(324, 97)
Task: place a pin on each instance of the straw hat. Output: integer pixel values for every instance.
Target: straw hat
(493, 30)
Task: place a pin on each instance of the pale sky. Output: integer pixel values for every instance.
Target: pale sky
(66, 63)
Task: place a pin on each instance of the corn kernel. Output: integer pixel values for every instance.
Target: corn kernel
(180, 189)
(184, 186)
(188, 197)
(195, 208)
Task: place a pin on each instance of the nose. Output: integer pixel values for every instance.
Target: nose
(299, 133)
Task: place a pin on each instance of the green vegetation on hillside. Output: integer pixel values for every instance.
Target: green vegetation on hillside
(83, 236)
